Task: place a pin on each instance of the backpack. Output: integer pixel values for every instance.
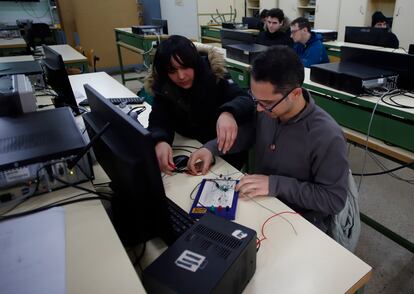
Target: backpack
(346, 225)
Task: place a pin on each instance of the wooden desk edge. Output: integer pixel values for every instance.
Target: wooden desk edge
(378, 147)
(362, 282)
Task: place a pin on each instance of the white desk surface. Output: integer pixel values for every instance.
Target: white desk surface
(363, 46)
(12, 43)
(16, 58)
(307, 261)
(96, 261)
(102, 82)
(400, 98)
(69, 54)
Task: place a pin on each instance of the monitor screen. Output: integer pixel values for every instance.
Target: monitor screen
(162, 23)
(57, 78)
(127, 154)
(370, 36)
(232, 37)
(253, 23)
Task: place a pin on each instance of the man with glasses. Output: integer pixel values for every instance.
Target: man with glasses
(308, 45)
(300, 151)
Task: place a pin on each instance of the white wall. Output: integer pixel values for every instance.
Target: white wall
(181, 16)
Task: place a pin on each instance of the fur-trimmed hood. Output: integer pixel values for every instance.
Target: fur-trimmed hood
(215, 58)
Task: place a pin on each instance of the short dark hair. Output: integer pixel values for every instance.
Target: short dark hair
(276, 13)
(377, 17)
(302, 23)
(280, 66)
(263, 13)
(181, 49)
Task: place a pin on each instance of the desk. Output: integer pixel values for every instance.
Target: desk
(71, 57)
(307, 261)
(16, 58)
(391, 124)
(8, 46)
(96, 261)
(140, 44)
(333, 48)
(210, 34)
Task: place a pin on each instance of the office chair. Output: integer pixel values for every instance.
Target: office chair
(36, 35)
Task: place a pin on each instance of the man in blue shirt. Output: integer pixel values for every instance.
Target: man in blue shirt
(308, 45)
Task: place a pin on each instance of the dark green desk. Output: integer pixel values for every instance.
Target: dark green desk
(210, 34)
(139, 44)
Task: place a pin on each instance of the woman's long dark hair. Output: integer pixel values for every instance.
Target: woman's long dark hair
(181, 49)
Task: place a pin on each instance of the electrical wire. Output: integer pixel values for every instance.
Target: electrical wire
(45, 207)
(367, 137)
(385, 171)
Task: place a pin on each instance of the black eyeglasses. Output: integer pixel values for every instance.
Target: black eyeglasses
(265, 106)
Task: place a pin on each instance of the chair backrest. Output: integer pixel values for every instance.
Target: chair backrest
(92, 58)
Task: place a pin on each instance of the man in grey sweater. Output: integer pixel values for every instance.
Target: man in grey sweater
(300, 151)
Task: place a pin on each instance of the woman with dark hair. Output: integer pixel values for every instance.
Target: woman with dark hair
(194, 96)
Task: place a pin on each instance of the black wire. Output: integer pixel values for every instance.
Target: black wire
(185, 146)
(42, 208)
(137, 107)
(181, 149)
(385, 171)
(260, 243)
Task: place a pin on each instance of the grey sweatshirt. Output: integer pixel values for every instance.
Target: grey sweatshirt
(308, 167)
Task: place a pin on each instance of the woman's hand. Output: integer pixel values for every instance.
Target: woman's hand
(164, 153)
(200, 161)
(226, 128)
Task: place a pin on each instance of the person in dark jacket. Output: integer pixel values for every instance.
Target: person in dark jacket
(308, 45)
(194, 96)
(275, 32)
(300, 151)
(389, 39)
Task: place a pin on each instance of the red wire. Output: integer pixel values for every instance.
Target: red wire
(259, 241)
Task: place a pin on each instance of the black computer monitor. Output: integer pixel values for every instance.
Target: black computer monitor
(162, 23)
(253, 23)
(127, 154)
(232, 37)
(400, 63)
(370, 36)
(57, 78)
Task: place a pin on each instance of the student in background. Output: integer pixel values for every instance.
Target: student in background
(300, 151)
(380, 21)
(263, 16)
(194, 96)
(308, 45)
(276, 30)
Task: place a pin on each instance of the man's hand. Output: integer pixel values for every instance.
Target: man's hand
(200, 161)
(164, 153)
(253, 185)
(226, 128)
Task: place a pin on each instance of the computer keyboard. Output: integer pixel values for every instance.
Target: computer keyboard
(180, 220)
(116, 101)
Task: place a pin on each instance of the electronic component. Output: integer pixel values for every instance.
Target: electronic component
(34, 150)
(352, 77)
(216, 196)
(213, 256)
(244, 52)
(16, 95)
(147, 30)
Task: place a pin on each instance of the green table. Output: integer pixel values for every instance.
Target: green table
(139, 44)
(210, 34)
